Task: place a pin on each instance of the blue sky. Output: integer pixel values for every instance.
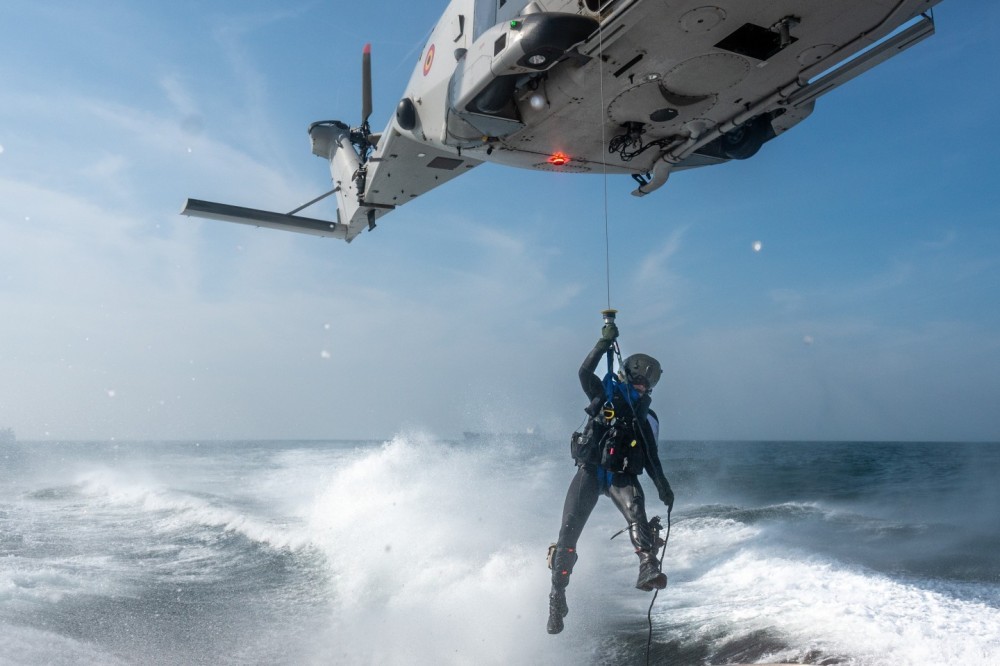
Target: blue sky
(870, 311)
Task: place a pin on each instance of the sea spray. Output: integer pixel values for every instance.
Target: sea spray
(437, 554)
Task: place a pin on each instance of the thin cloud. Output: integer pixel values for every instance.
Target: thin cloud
(654, 268)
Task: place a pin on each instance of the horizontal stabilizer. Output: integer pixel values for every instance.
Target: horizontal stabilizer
(264, 218)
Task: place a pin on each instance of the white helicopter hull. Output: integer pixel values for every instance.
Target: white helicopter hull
(637, 87)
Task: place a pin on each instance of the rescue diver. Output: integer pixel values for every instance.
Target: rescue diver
(617, 443)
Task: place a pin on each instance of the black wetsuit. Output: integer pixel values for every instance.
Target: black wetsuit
(592, 478)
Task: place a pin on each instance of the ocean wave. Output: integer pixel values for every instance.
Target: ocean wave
(418, 550)
(785, 511)
(170, 510)
(791, 516)
(437, 550)
(26, 646)
(22, 580)
(821, 607)
(699, 542)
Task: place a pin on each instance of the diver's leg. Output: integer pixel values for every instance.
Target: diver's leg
(580, 501)
(581, 498)
(627, 495)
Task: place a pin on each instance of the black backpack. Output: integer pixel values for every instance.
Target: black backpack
(622, 449)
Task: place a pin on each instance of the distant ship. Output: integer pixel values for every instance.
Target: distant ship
(529, 434)
(7, 436)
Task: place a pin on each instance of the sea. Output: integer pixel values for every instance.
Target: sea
(419, 550)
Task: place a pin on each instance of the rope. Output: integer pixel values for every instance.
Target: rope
(649, 613)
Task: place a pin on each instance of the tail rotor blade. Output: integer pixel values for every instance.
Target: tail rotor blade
(366, 83)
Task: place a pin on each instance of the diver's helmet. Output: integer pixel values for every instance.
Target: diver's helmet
(642, 369)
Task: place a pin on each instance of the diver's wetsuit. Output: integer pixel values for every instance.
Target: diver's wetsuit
(592, 480)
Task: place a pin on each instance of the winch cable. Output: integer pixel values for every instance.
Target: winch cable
(604, 157)
(609, 313)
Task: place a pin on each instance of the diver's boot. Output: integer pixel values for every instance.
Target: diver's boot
(561, 561)
(557, 610)
(650, 576)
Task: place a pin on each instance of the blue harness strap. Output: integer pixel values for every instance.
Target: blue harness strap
(604, 479)
(609, 378)
(613, 385)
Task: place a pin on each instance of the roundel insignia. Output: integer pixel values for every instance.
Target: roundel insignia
(429, 60)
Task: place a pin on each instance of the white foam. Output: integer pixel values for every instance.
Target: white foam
(697, 542)
(438, 556)
(24, 580)
(821, 605)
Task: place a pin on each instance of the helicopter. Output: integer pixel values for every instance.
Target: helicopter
(642, 88)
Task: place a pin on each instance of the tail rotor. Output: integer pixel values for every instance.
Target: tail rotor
(366, 86)
(361, 137)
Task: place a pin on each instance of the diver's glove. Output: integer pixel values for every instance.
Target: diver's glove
(667, 496)
(608, 335)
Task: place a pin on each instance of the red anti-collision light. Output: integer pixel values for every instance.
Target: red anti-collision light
(558, 159)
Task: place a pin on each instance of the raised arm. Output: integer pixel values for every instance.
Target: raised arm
(591, 384)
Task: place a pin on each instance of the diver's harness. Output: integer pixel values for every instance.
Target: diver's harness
(618, 444)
